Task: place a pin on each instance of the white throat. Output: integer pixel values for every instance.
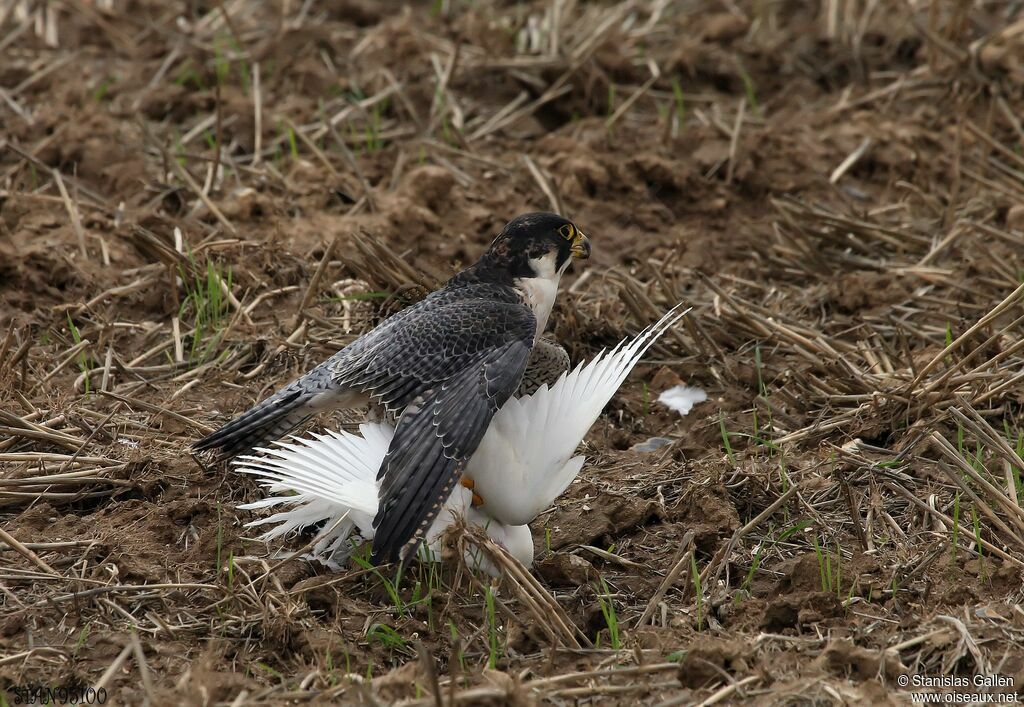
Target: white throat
(539, 291)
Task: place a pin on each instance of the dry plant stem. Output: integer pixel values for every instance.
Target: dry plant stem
(98, 201)
(728, 690)
(377, 262)
(553, 200)
(980, 504)
(980, 427)
(711, 573)
(76, 221)
(986, 363)
(430, 670)
(113, 669)
(634, 97)
(321, 157)
(8, 340)
(151, 407)
(70, 356)
(679, 563)
(198, 191)
(350, 160)
(734, 140)
(547, 613)
(314, 283)
(850, 160)
(26, 553)
(1014, 512)
(88, 439)
(949, 524)
(140, 659)
(994, 313)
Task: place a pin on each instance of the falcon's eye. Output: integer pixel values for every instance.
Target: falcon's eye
(568, 231)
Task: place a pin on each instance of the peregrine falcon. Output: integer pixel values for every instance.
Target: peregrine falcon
(445, 365)
(524, 461)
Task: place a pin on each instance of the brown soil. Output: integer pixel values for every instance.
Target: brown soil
(837, 194)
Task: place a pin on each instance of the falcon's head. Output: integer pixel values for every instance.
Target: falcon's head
(537, 244)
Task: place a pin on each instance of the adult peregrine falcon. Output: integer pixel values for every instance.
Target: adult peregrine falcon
(445, 365)
(524, 461)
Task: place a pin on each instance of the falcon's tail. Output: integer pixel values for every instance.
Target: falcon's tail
(280, 413)
(545, 428)
(327, 478)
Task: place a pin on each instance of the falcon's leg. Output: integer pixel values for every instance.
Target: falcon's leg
(548, 360)
(375, 412)
(471, 484)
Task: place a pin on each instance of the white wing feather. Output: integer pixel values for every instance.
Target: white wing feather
(332, 479)
(329, 478)
(525, 459)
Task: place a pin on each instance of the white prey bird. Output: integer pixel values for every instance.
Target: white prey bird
(523, 463)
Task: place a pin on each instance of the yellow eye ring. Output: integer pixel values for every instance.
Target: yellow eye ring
(568, 232)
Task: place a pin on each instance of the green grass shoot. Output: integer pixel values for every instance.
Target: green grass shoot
(293, 144)
(956, 528)
(976, 522)
(84, 365)
(748, 88)
(698, 591)
(460, 654)
(391, 587)
(611, 620)
(206, 306)
(493, 645)
(677, 97)
(386, 636)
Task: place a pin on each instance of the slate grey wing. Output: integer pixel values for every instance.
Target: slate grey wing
(449, 367)
(281, 412)
(436, 339)
(433, 443)
(317, 391)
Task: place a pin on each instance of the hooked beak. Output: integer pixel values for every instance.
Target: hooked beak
(580, 246)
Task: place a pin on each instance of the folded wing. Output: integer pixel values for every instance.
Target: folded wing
(434, 440)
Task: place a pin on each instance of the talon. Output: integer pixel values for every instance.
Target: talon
(468, 483)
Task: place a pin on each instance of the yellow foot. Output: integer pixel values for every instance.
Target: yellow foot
(470, 484)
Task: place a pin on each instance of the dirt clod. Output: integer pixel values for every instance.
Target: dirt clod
(712, 661)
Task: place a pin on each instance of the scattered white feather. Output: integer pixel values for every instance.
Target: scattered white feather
(652, 445)
(682, 398)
